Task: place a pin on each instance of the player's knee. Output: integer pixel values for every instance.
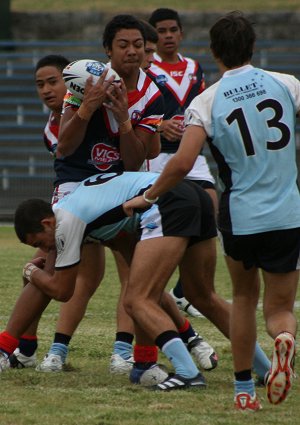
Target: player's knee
(63, 294)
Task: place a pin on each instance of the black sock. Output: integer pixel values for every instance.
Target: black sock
(243, 375)
(28, 346)
(62, 338)
(177, 291)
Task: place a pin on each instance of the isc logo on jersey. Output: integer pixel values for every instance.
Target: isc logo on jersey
(177, 73)
(104, 156)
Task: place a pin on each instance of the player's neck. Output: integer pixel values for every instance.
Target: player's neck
(169, 57)
(131, 81)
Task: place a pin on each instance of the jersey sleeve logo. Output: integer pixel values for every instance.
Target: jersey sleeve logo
(60, 243)
(161, 80)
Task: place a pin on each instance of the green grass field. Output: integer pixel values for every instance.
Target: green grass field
(115, 6)
(89, 395)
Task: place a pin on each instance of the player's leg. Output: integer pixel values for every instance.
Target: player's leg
(279, 297)
(243, 332)
(90, 273)
(25, 354)
(121, 360)
(177, 292)
(20, 320)
(156, 259)
(198, 273)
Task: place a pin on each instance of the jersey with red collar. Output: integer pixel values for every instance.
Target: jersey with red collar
(179, 83)
(51, 134)
(99, 150)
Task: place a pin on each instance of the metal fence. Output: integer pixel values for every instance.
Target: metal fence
(26, 168)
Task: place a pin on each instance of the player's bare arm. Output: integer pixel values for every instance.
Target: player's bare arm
(59, 286)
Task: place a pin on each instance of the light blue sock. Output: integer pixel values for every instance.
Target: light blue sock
(60, 350)
(244, 387)
(180, 358)
(124, 349)
(261, 363)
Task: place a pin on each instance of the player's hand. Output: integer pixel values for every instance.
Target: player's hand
(172, 130)
(135, 203)
(95, 93)
(117, 101)
(39, 262)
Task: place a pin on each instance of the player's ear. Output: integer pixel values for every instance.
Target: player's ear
(108, 52)
(48, 222)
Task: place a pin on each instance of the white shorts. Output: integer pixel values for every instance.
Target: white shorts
(62, 190)
(200, 170)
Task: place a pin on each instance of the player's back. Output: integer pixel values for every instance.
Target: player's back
(253, 121)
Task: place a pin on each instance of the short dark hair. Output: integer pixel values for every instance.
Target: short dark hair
(28, 217)
(58, 61)
(118, 23)
(232, 39)
(163, 14)
(150, 32)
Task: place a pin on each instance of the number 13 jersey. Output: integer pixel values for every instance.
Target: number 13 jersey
(250, 117)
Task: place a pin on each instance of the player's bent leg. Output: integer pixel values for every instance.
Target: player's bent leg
(142, 300)
(142, 297)
(90, 273)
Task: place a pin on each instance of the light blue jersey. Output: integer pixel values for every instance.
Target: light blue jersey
(95, 209)
(251, 123)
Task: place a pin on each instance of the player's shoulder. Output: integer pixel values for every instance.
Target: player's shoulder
(286, 79)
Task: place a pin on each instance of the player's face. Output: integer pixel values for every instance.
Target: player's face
(50, 87)
(127, 52)
(169, 36)
(150, 49)
(45, 240)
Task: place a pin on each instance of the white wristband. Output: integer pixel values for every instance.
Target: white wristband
(28, 271)
(150, 201)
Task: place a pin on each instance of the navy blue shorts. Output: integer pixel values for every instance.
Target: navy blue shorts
(275, 252)
(187, 211)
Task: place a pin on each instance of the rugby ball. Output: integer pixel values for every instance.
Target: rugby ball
(76, 73)
(156, 374)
